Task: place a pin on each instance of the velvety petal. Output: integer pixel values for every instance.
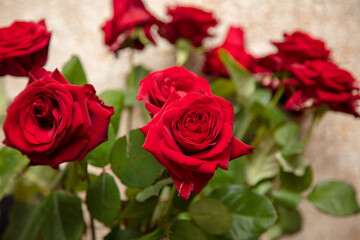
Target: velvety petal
(238, 148)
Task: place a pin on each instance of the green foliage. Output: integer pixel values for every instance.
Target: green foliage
(223, 88)
(137, 73)
(114, 98)
(243, 80)
(287, 134)
(123, 234)
(134, 166)
(182, 229)
(100, 156)
(335, 198)
(183, 49)
(286, 197)
(152, 190)
(103, 199)
(74, 72)
(58, 217)
(296, 183)
(11, 161)
(262, 163)
(252, 213)
(211, 216)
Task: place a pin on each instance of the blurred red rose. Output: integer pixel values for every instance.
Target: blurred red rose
(23, 46)
(156, 88)
(299, 47)
(320, 82)
(189, 23)
(52, 121)
(130, 26)
(234, 45)
(191, 136)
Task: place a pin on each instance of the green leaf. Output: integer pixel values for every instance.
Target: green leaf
(137, 73)
(336, 198)
(100, 156)
(289, 219)
(252, 213)
(293, 149)
(211, 216)
(223, 88)
(234, 175)
(286, 197)
(62, 217)
(296, 164)
(155, 235)
(262, 96)
(183, 49)
(74, 72)
(289, 222)
(59, 217)
(243, 120)
(20, 216)
(73, 183)
(137, 168)
(262, 163)
(3, 101)
(287, 134)
(103, 199)
(123, 234)
(183, 229)
(35, 180)
(296, 183)
(11, 161)
(152, 190)
(114, 98)
(244, 81)
(264, 186)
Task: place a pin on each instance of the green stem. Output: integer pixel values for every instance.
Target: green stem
(277, 96)
(168, 206)
(314, 120)
(260, 134)
(92, 225)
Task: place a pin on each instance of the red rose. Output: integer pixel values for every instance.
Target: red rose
(187, 22)
(320, 82)
(130, 25)
(156, 88)
(23, 46)
(268, 64)
(299, 47)
(234, 45)
(191, 136)
(52, 121)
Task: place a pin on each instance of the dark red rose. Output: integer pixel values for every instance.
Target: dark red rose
(130, 25)
(23, 46)
(156, 88)
(234, 45)
(189, 23)
(52, 121)
(299, 47)
(191, 136)
(320, 82)
(268, 64)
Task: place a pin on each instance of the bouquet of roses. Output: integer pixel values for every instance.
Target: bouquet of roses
(220, 156)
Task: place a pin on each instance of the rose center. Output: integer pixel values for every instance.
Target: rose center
(42, 111)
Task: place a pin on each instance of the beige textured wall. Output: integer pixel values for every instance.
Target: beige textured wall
(334, 147)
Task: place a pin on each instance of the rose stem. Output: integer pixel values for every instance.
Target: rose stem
(277, 96)
(168, 206)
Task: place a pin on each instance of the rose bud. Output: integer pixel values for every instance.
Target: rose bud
(189, 23)
(234, 45)
(52, 121)
(130, 26)
(320, 82)
(191, 136)
(156, 88)
(23, 46)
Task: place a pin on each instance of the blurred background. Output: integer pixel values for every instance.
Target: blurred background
(334, 147)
